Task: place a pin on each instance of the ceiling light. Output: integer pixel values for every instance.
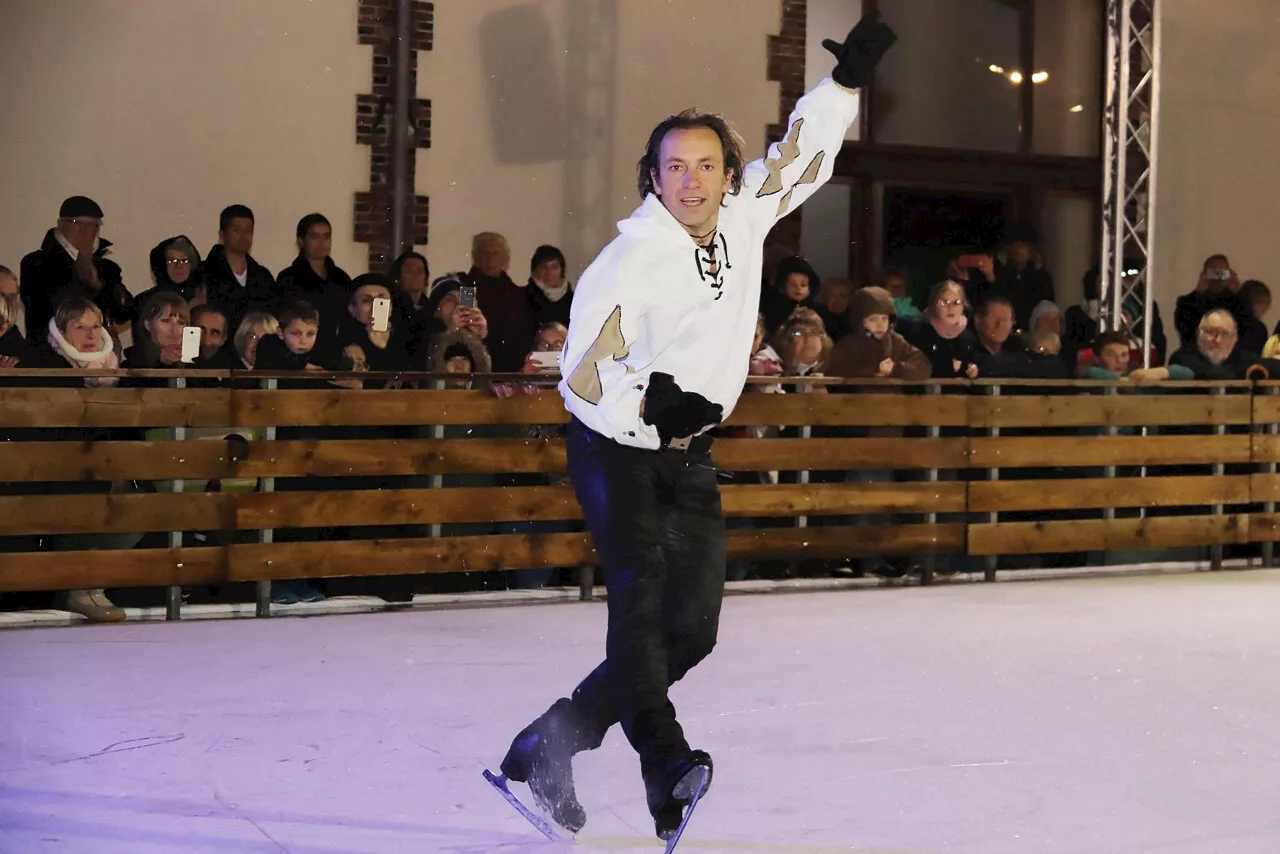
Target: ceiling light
(1039, 77)
(1078, 108)
(1015, 77)
(995, 69)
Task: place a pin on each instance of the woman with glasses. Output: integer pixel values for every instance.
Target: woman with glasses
(942, 333)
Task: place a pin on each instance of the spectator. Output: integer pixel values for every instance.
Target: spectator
(997, 355)
(1217, 288)
(11, 294)
(411, 275)
(72, 261)
(765, 361)
(833, 307)
(803, 345)
(1255, 297)
(1020, 274)
(291, 349)
(383, 350)
(1044, 356)
(14, 351)
(1045, 318)
(158, 343)
(254, 326)
(942, 333)
(506, 305)
(795, 285)
(447, 314)
(213, 337)
(549, 289)
(314, 278)
(897, 283)
(550, 339)
(1215, 354)
(233, 280)
(77, 338)
(460, 352)
(175, 268)
(1112, 355)
(872, 348)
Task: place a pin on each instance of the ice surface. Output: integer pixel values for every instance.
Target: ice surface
(1133, 715)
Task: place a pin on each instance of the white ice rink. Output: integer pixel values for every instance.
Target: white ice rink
(1137, 715)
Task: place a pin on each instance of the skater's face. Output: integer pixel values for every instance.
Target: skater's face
(691, 178)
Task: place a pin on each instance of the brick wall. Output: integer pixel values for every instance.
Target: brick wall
(786, 66)
(373, 220)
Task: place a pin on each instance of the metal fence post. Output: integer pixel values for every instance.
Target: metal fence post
(1268, 548)
(993, 474)
(1109, 473)
(262, 594)
(930, 563)
(1219, 469)
(173, 599)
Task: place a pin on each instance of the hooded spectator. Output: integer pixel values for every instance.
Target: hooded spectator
(550, 291)
(795, 285)
(872, 348)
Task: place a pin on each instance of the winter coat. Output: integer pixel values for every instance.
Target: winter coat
(859, 354)
(1233, 368)
(1023, 287)
(49, 276)
(512, 323)
(776, 306)
(481, 361)
(942, 353)
(329, 296)
(224, 291)
(547, 310)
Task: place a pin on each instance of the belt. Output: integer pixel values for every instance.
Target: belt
(690, 444)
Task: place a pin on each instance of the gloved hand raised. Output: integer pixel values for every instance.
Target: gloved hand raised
(674, 412)
(862, 50)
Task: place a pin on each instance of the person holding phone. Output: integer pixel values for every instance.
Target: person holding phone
(370, 326)
(1216, 288)
(657, 354)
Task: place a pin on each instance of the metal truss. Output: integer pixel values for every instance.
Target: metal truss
(1131, 119)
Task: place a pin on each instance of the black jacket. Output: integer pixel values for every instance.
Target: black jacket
(1232, 369)
(226, 293)
(329, 296)
(942, 353)
(544, 309)
(49, 276)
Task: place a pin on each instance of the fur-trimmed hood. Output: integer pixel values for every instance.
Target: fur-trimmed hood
(461, 337)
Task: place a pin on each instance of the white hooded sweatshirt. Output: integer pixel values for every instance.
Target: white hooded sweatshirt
(650, 301)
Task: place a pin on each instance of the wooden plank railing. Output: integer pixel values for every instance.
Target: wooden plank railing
(953, 469)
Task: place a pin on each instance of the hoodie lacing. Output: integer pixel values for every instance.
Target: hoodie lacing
(710, 265)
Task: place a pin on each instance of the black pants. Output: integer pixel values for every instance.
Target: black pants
(658, 527)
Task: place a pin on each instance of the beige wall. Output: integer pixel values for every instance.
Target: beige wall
(1220, 121)
(165, 111)
(539, 115)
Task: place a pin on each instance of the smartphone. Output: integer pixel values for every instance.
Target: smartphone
(548, 362)
(467, 296)
(191, 343)
(1219, 275)
(381, 314)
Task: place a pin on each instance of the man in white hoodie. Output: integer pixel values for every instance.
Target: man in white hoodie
(657, 355)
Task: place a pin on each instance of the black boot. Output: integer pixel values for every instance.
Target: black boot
(670, 787)
(542, 756)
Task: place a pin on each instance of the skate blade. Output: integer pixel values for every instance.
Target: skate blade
(499, 783)
(692, 786)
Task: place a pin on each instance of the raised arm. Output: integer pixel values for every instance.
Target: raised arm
(804, 159)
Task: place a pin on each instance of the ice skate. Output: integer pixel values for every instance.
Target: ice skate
(541, 756)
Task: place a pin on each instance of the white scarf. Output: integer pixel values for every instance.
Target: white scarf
(104, 359)
(554, 294)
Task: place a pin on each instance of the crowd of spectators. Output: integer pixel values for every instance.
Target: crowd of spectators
(994, 315)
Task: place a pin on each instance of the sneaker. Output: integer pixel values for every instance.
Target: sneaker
(541, 757)
(93, 605)
(283, 593)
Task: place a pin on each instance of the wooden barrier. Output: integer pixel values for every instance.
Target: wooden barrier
(1085, 469)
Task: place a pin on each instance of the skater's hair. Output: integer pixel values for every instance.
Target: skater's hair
(731, 143)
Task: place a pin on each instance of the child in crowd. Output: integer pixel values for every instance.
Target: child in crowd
(1111, 358)
(290, 349)
(872, 348)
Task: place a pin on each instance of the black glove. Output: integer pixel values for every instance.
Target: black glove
(862, 50)
(677, 413)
